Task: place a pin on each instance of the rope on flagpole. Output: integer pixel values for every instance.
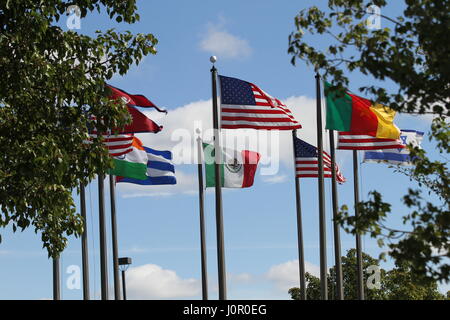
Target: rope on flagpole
(92, 238)
(362, 198)
(328, 182)
(334, 288)
(61, 266)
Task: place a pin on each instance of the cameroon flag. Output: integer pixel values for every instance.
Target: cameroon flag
(351, 113)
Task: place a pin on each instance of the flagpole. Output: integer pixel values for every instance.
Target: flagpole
(56, 280)
(219, 215)
(103, 243)
(336, 227)
(201, 199)
(115, 249)
(359, 263)
(84, 244)
(301, 254)
(322, 217)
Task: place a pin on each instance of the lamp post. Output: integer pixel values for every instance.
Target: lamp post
(124, 263)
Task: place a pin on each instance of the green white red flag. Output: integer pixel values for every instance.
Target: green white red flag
(237, 168)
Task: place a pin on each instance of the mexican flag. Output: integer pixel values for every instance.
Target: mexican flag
(350, 113)
(132, 164)
(237, 168)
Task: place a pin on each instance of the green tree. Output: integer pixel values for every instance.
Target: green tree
(53, 81)
(417, 60)
(349, 274)
(396, 284)
(400, 284)
(312, 288)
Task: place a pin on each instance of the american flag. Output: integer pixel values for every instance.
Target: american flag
(117, 145)
(351, 141)
(121, 143)
(244, 105)
(307, 165)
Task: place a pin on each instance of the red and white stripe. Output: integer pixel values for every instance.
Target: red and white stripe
(268, 114)
(117, 144)
(349, 141)
(309, 168)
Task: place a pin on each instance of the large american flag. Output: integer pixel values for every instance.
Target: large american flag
(244, 105)
(307, 164)
(351, 141)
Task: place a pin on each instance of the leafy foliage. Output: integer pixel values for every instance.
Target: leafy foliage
(312, 291)
(395, 284)
(411, 51)
(52, 83)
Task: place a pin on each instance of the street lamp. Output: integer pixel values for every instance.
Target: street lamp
(123, 266)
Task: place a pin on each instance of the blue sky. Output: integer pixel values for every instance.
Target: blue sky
(158, 227)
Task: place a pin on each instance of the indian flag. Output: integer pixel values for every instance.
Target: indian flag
(237, 168)
(350, 113)
(132, 164)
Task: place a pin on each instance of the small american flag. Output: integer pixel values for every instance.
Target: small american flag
(307, 165)
(351, 141)
(117, 145)
(121, 143)
(244, 105)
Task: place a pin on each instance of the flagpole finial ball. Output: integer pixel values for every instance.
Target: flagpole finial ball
(213, 59)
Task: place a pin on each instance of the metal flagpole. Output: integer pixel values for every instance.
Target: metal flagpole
(84, 244)
(322, 217)
(114, 238)
(202, 220)
(56, 280)
(301, 254)
(359, 262)
(336, 227)
(124, 286)
(219, 216)
(103, 244)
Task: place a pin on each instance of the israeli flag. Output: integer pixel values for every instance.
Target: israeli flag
(160, 169)
(396, 156)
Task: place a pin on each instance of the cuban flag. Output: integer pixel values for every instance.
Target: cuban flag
(160, 169)
(396, 156)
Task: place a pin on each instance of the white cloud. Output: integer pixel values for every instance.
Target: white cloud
(240, 277)
(151, 281)
(179, 137)
(286, 275)
(180, 124)
(178, 134)
(219, 42)
(275, 179)
(154, 282)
